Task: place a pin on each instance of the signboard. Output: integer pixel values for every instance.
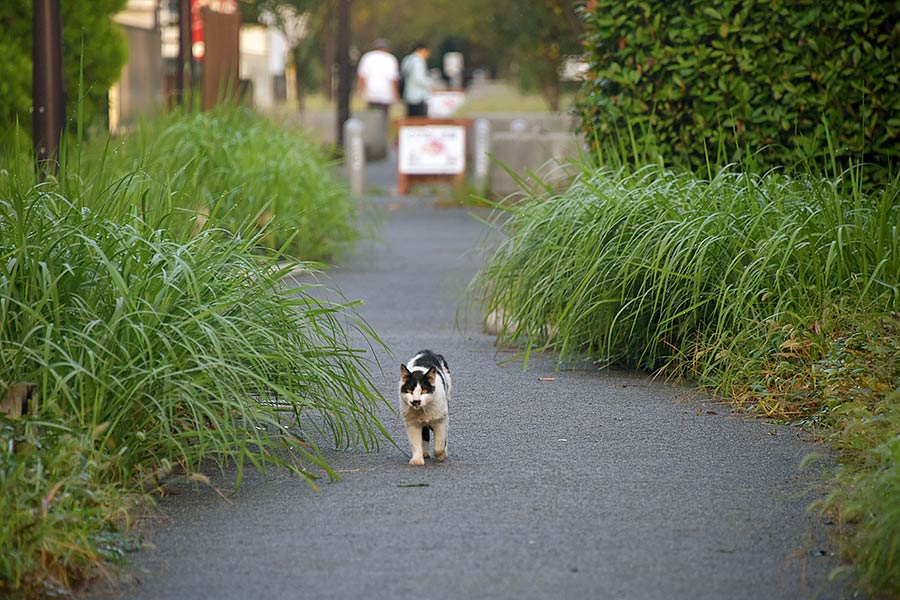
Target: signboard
(432, 150)
(445, 103)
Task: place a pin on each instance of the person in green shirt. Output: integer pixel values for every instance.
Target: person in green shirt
(416, 83)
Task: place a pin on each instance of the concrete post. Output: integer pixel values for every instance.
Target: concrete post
(355, 155)
(481, 149)
(453, 68)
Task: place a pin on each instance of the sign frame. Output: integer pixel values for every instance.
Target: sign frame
(447, 138)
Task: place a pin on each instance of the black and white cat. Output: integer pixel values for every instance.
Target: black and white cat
(425, 404)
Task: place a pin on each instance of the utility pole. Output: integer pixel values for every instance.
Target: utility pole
(184, 66)
(48, 98)
(343, 60)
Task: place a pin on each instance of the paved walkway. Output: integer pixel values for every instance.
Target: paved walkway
(595, 485)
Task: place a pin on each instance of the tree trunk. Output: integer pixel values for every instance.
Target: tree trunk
(329, 31)
(551, 95)
(343, 64)
(184, 70)
(299, 78)
(550, 91)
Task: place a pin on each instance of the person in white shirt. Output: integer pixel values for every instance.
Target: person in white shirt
(376, 76)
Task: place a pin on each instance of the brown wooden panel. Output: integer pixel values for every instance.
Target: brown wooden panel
(221, 63)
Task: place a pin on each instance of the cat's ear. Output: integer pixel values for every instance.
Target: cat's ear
(431, 374)
(404, 372)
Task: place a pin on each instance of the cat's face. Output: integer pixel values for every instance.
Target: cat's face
(416, 387)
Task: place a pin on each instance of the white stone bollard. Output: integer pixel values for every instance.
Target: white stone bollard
(481, 149)
(355, 155)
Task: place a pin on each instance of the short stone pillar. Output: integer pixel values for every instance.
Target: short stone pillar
(481, 150)
(355, 155)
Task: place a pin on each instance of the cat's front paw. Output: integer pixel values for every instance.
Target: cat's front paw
(440, 455)
(417, 460)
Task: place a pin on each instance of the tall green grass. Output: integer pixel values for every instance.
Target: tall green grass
(160, 343)
(779, 291)
(232, 167)
(176, 349)
(662, 269)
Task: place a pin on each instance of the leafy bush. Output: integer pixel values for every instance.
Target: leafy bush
(86, 25)
(758, 76)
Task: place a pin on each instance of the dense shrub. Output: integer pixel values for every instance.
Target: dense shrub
(757, 75)
(84, 24)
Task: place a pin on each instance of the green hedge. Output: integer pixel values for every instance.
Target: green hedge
(708, 77)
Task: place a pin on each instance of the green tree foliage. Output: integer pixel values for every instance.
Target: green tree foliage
(463, 24)
(529, 38)
(87, 23)
(537, 36)
(781, 79)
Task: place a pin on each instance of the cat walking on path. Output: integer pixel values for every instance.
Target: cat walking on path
(425, 404)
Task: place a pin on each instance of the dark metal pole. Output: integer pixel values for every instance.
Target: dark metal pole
(184, 66)
(48, 99)
(343, 61)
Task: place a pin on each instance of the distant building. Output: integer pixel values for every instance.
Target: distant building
(140, 89)
(148, 79)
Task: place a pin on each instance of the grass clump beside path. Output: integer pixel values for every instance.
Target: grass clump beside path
(155, 346)
(237, 169)
(780, 292)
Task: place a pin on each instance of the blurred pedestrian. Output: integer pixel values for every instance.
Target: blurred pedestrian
(416, 82)
(377, 76)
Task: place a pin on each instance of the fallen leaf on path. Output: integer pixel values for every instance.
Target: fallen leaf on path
(546, 378)
(199, 477)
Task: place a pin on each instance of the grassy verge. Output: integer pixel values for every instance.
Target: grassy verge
(160, 341)
(780, 292)
(231, 166)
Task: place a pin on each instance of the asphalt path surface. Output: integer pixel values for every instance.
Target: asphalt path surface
(597, 484)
